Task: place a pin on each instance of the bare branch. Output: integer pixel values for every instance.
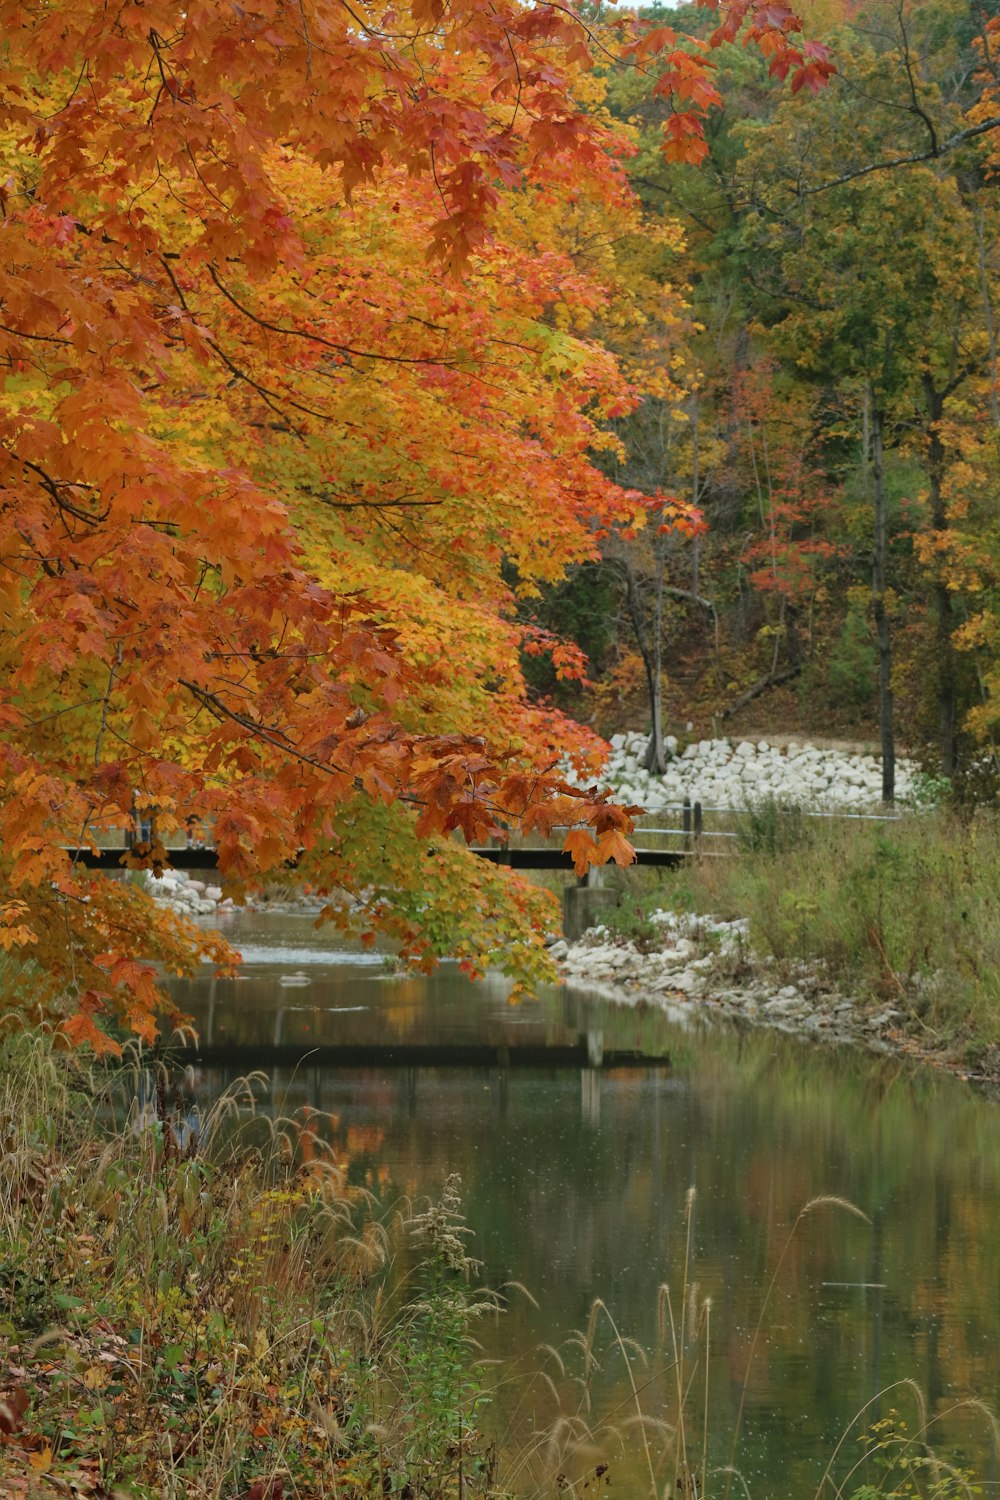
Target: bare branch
(951, 144)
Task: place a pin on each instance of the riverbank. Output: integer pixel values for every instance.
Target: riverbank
(212, 1313)
(706, 971)
(885, 935)
(190, 897)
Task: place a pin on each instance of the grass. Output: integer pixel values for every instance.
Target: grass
(211, 1316)
(906, 913)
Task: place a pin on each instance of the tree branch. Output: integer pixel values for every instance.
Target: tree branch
(951, 144)
(773, 679)
(316, 338)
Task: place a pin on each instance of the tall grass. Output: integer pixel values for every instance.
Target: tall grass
(656, 1432)
(906, 913)
(214, 1315)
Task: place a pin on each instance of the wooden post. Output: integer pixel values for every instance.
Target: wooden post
(686, 822)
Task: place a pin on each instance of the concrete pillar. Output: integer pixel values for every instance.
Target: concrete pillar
(583, 907)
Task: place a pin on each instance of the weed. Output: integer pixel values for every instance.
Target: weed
(632, 920)
(771, 828)
(900, 1466)
(206, 1317)
(906, 911)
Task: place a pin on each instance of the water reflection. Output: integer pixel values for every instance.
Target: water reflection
(575, 1181)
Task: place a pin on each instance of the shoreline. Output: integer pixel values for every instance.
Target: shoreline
(706, 971)
(698, 968)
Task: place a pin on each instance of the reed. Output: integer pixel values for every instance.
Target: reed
(217, 1315)
(653, 1433)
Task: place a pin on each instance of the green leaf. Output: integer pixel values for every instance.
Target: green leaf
(65, 1302)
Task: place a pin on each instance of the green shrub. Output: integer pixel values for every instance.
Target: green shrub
(852, 665)
(631, 920)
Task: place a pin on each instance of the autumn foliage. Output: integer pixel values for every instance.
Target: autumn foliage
(303, 381)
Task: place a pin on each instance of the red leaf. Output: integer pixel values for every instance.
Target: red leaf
(13, 1405)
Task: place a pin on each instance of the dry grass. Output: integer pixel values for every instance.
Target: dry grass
(216, 1315)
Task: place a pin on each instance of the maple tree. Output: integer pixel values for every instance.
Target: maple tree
(298, 357)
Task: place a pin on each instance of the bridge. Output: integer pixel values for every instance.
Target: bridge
(691, 833)
(663, 847)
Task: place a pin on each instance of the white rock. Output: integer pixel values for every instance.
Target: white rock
(685, 981)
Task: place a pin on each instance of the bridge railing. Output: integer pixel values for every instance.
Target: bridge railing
(693, 824)
(675, 829)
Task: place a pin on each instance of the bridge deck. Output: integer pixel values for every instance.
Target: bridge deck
(517, 858)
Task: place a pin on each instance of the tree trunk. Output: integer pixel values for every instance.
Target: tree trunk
(944, 613)
(649, 643)
(695, 488)
(655, 759)
(883, 637)
(656, 755)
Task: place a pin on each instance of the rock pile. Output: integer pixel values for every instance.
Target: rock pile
(693, 977)
(718, 774)
(189, 898)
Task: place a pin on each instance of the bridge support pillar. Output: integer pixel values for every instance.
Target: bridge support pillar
(584, 906)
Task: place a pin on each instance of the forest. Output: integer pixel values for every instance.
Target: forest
(833, 277)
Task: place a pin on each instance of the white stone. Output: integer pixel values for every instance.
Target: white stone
(685, 981)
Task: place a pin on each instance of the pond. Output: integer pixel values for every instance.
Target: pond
(576, 1182)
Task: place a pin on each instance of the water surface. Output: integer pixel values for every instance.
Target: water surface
(576, 1182)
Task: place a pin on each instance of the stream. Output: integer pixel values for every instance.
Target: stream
(575, 1180)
